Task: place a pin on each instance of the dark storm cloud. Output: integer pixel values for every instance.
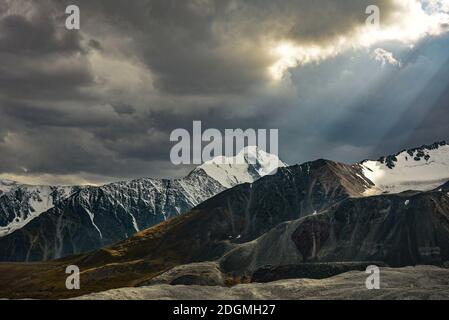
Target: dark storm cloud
(42, 79)
(35, 37)
(219, 46)
(39, 59)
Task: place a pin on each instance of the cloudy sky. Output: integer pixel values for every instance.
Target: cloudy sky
(98, 104)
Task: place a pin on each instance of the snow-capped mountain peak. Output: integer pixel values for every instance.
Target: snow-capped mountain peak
(250, 164)
(423, 169)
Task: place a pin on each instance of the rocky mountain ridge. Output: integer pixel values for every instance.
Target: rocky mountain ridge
(92, 217)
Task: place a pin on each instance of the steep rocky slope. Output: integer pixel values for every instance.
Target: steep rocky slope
(291, 193)
(98, 216)
(402, 229)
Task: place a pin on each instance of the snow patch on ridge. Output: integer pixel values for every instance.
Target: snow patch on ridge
(420, 169)
(27, 202)
(92, 216)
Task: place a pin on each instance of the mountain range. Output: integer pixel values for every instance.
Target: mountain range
(317, 216)
(49, 222)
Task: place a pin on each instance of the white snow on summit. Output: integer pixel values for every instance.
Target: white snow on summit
(250, 164)
(421, 169)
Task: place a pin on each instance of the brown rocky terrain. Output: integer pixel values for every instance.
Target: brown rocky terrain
(420, 283)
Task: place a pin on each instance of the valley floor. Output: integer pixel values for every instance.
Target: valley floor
(420, 282)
